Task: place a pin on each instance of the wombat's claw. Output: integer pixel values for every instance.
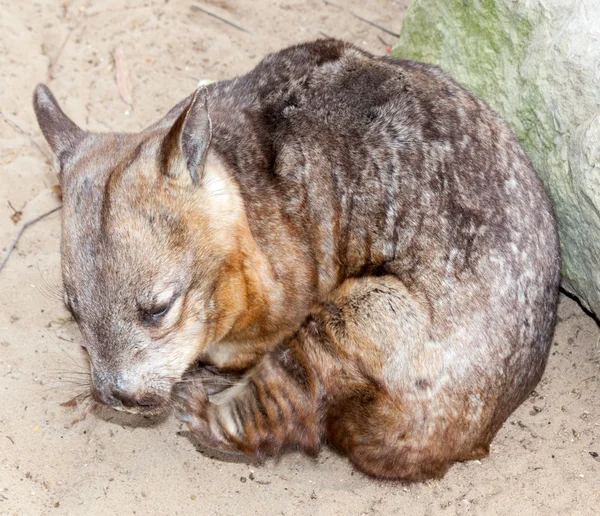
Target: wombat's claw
(190, 402)
(182, 415)
(192, 408)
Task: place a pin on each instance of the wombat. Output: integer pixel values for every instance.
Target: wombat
(359, 239)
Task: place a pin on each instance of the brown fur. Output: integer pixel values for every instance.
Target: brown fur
(356, 243)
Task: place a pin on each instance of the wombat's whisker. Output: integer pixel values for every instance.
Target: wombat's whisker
(69, 371)
(215, 318)
(83, 368)
(81, 381)
(86, 395)
(51, 291)
(67, 378)
(66, 387)
(73, 380)
(209, 380)
(71, 377)
(63, 386)
(212, 379)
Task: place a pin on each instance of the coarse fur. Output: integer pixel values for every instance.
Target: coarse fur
(357, 239)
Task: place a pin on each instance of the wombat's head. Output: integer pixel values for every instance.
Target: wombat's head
(149, 234)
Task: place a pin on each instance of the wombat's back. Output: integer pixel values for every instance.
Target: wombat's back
(406, 167)
(381, 166)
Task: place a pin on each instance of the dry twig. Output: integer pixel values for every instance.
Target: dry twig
(11, 122)
(22, 230)
(238, 27)
(54, 62)
(369, 22)
(17, 215)
(383, 41)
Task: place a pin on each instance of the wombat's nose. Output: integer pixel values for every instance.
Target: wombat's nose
(127, 399)
(111, 389)
(144, 401)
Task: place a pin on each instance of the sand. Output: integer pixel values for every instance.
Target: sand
(73, 460)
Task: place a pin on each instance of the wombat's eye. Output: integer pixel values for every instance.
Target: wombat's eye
(155, 313)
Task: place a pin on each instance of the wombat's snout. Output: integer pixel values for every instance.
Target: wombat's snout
(114, 390)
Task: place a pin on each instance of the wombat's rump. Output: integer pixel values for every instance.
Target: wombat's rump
(359, 234)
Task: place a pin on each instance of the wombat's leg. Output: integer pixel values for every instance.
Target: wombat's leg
(360, 374)
(276, 405)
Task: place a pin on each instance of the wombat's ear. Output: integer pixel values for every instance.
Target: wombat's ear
(61, 133)
(188, 140)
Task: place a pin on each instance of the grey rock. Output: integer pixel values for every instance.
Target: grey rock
(537, 62)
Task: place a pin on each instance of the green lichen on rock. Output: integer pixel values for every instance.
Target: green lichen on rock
(537, 62)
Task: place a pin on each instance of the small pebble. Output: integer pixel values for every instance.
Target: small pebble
(242, 479)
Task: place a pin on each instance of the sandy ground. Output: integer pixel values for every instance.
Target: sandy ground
(71, 460)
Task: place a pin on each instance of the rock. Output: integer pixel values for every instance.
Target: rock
(538, 64)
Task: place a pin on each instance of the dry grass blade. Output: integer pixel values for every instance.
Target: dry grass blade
(76, 400)
(122, 76)
(57, 190)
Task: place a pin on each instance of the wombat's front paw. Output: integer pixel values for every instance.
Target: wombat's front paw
(191, 404)
(191, 400)
(193, 407)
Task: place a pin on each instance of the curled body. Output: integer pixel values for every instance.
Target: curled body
(359, 239)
